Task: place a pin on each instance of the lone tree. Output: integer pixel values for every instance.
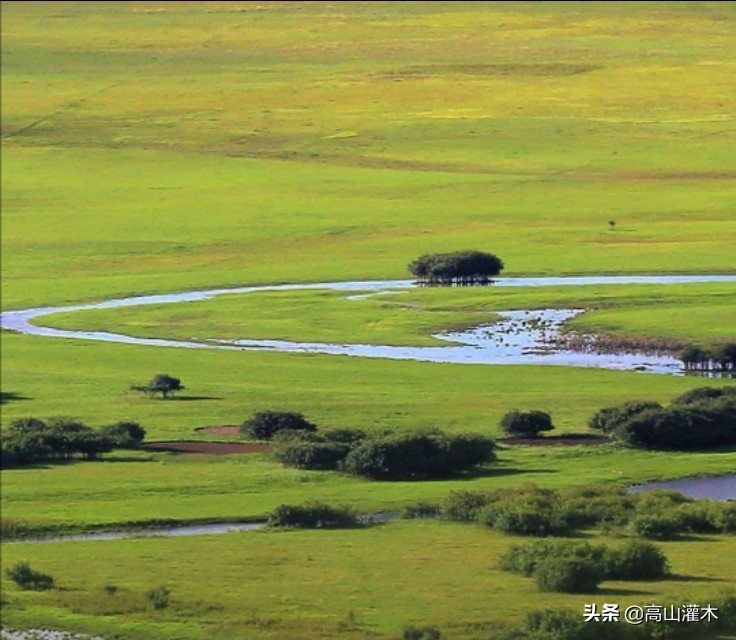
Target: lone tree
(526, 424)
(458, 268)
(161, 383)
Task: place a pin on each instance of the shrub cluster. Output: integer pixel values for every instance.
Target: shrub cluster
(387, 456)
(416, 456)
(526, 424)
(529, 510)
(460, 267)
(264, 425)
(578, 567)
(699, 419)
(29, 440)
(312, 515)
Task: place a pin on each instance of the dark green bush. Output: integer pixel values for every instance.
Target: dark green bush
(636, 560)
(596, 506)
(421, 455)
(311, 455)
(124, 434)
(27, 578)
(463, 506)
(459, 267)
(524, 520)
(568, 575)
(656, 527)
(524, 558)
(312, 515)
(263, 425)
(526, 424)
(608, 418)
(704, 394)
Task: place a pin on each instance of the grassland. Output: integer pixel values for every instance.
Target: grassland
(165, 146)
(326, 584)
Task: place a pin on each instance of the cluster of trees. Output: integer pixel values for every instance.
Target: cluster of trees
(699, 419)
(301, 444)
(526, 424)
(458, 268)
(720, 358)
(161, 383)
(532, 511)
(29, 440)
(579, 567)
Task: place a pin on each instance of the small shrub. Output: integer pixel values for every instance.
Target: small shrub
(596, 506)
(110, 589)
(568, 575)
(656, 527)
(526, 424)
(263, 425)
(124, 434)
(421, 633)
(608, 418)
(523, 520)
(723, 517)
(312, 515)
(463, 506)
(312, 455)
(524, 558)
(29, 579)
(636, 560)
(159, 597)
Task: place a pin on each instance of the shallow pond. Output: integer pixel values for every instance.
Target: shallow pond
(712, 487)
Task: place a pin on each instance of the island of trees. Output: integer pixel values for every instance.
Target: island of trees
(461, 268)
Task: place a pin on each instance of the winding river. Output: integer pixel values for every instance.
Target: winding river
(519, 337)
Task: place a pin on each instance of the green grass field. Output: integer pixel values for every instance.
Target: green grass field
(168, 146)
(327, 584)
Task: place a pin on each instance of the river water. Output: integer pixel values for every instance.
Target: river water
(519, 337)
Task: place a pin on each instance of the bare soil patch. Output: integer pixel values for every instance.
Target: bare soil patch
(220, 448)
(222, 430)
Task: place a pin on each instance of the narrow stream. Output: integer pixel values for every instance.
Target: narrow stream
(520, 337)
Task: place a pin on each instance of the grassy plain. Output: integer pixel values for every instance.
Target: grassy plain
(366, 583)
(163, 146)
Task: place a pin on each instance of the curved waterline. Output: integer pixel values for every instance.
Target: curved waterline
(520, 337)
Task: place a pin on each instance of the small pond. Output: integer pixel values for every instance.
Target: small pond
(713, 487)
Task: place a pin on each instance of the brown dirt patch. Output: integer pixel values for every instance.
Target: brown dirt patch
(222, 430)
(220, 448)
(570, 441)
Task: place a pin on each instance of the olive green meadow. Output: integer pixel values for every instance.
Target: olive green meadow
(157, 147)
